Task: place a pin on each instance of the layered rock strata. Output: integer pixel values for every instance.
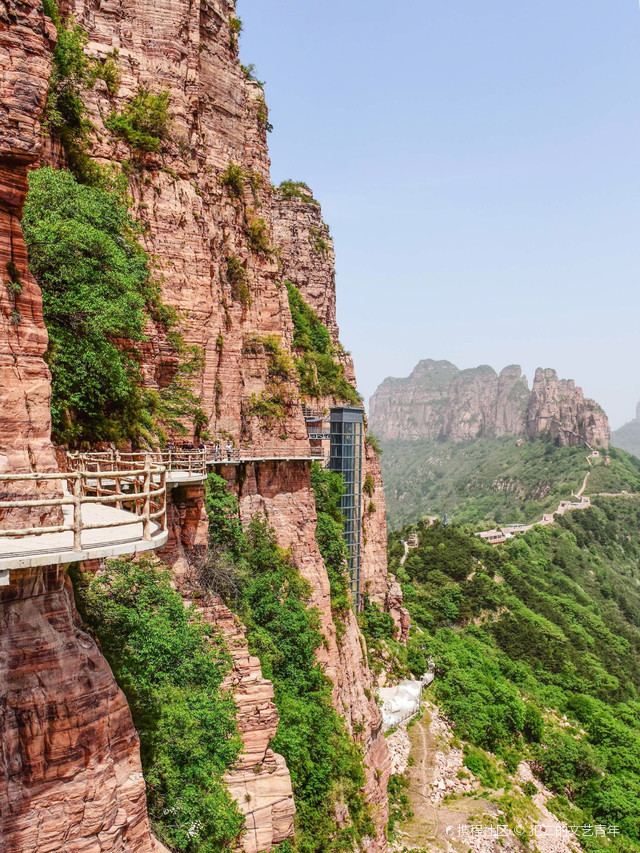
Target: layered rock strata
(559, 409)
(26, 41)
(260, 782)
(438, 401)
(70, 774)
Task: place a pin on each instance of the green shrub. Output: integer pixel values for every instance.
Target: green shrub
(233, 180)
(170, 665)
(95, 286)
(373, 443)
(249, 72)
(368, 486)
(237, 278)
(97, 295)
(258, 236)
(374, 623)
(65, 109)
(319, 373)
(235, 28)
(328, 490)
(295, 189)
(144, 122)
(399, 802)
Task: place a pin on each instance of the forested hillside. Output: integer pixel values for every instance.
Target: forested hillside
(537, 652)
(494, 480)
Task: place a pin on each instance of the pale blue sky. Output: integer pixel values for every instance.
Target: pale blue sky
(478, 165)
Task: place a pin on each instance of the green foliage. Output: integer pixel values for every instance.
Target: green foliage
(237, 278)
(235, 28)
(491, 481)
(176, 406)
(144, 122)
(72, 74)
(249, 72)
(96, 284)
(325, 764)
(233, 179)
(170, 665)
(320, 375)
(374, 623)
(65, 109)
(318, 244)
(14, 288)
(273, 403)
(537, 652)
(97, 295)
(263, 115)
(296, 189)
(328, 490)
(399, 802)
(373, 443)
(368, 486)
(107, 70)
(258, 236)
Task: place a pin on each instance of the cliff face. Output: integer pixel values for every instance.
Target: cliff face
(26, 41)
(70, 771)
(195, 224)
(438, 401)
(70, 774)
(559, 409)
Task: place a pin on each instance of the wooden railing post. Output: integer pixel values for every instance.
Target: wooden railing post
(163, 486)
(77, 512)
(146, 505)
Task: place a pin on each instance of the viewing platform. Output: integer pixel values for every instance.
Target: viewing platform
(83, 514)
(240, 455)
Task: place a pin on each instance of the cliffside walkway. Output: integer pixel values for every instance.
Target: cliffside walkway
(83, 514)
(241, 455)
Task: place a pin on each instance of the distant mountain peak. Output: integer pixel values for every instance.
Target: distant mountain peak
(440, 401)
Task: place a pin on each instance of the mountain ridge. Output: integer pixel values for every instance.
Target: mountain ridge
(440, 401)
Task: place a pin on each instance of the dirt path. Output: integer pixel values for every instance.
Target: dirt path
(434, 826)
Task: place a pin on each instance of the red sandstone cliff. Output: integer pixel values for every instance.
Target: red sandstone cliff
(194, 225)
(70, 774)
(26, 41)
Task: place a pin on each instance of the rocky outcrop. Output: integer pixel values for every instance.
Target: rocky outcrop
(70, 774)
(260, 782)
(438, 401)
(26, 41)
(558, 409)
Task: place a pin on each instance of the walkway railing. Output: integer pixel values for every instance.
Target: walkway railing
(263, 454)
(191, 463)
(140, 491)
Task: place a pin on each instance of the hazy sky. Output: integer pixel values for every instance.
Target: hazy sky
(478, 163)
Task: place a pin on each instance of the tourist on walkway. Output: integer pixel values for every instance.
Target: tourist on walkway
(229, 450)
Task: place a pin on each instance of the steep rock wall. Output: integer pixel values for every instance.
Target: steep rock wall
(559, 409)
(194, 223)
(26, 41)
(70, 774)
(307, 256)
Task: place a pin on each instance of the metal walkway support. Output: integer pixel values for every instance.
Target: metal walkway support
(345, 457)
